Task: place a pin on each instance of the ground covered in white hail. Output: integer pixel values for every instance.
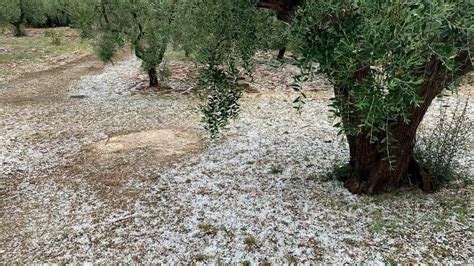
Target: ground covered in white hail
(259, 193)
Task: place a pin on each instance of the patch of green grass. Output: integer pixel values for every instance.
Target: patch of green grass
(40, 47)
(387, 196)
(172, 54)
(462, 211)
(55, 36)
(291, 259)
(441, 222)
(276, 169)
(380, 224)
(459, 207)
(449, 140)
(12, 58)
(340, 171)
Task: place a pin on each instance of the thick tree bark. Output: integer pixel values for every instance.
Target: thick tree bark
(153, 77)
(372, 172)
(281, 54)
(284, 8)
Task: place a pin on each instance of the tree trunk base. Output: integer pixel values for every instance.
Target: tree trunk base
(281, 54)
(18, 31)
(358, 184)
(153, 78)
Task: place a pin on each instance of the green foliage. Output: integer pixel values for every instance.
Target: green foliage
(9, 12)
(20, 12)
(273, 33)
(222, 98)
(448, 141)
(55, 36)
(82, 15)
(46, 13)
(276, 169)
(165, 73)
(107, 44)
(57, 12)
(223, 37)
(145, 25)
(340, 171)
(373, 52)
(376, 52)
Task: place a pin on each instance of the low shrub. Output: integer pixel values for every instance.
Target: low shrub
(439, 150)
(54, 35)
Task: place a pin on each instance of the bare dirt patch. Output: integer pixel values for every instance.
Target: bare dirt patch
(110, 164)
(162, 146)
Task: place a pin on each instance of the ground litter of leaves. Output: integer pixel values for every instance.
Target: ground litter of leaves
(258, 193)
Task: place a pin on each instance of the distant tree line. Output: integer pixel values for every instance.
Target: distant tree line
(37, 13)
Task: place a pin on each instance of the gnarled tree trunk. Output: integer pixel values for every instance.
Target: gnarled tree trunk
(372, 172)
(152, 57)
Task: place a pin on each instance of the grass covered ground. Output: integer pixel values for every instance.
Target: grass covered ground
(41, 49)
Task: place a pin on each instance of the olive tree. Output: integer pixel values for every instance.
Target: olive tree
(17, 13)
(83, 16)
(57, 12)
(224, 35)
(387, 61)
(144, 25)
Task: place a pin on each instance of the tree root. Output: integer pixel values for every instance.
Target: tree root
(355, 184)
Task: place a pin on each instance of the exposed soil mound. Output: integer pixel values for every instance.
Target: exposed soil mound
(112, 162)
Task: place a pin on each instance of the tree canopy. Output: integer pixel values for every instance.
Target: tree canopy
(20, 12)
(143, 24)
(387, 61)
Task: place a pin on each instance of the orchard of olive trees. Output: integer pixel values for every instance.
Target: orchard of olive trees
(236, 131)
